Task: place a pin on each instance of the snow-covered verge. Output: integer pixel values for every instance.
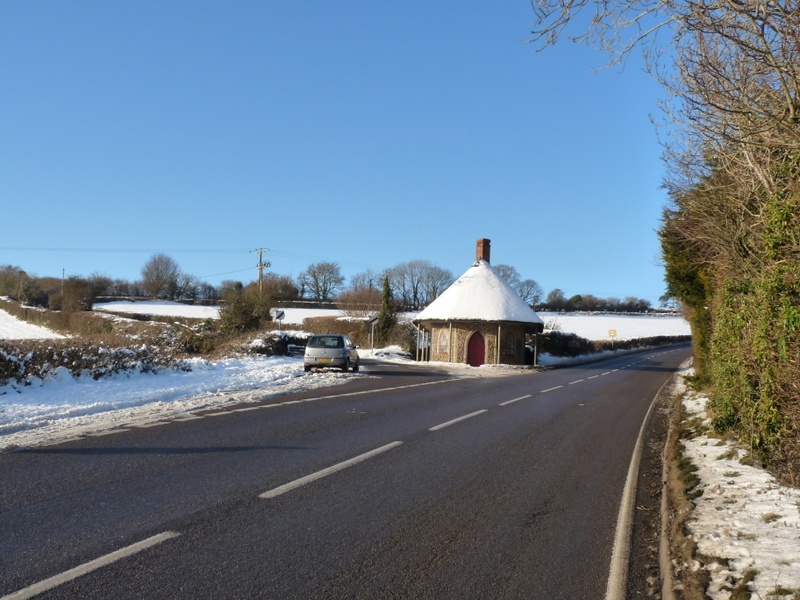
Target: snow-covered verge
(745, 524)
(61, 407)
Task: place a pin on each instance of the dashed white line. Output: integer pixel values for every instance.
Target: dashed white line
(514, 400)
(448, 423)
(576, 381)
(325, 472)
(56, 580)
(593, 377)
(551, 389)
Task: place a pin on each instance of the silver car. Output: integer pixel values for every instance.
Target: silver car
(330, 350)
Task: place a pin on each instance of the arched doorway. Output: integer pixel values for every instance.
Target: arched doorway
(476, 350)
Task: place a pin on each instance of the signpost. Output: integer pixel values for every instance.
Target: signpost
(278, 315)
(612, 333)
(372, 322)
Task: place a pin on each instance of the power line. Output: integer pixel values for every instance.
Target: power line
(123, 250)
(221, 274)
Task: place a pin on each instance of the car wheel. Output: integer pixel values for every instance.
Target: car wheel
(345, 366)
(306, 368)
(356, 367)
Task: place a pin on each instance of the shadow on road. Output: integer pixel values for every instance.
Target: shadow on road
(156, 450)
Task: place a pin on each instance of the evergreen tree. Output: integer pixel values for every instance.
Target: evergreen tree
(387, 317)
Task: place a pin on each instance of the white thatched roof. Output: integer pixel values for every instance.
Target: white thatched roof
(480, 294)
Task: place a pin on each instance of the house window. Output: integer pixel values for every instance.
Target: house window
(509, 345)
(441, 342)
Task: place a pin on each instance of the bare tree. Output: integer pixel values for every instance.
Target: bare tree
(509, 273)
(322, 280)
(530, 291)
(368, 279)
(435, 280)
(417, 282)
(732, 68)
(160, 276)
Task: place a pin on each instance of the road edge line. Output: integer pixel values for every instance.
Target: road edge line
(620, 555)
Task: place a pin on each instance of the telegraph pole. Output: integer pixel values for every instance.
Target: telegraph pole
(261, 266)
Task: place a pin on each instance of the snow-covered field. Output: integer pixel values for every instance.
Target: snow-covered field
(12, 328)
(163, 308)
(589, 326)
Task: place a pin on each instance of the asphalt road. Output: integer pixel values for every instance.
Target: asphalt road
(404, 483)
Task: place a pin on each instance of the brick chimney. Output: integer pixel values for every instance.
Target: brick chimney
(482, 249)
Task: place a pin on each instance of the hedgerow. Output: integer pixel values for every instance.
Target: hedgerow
(24, 362)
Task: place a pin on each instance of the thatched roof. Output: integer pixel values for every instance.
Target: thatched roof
(480, 294)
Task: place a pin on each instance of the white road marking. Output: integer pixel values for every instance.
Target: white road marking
(551, 389)
(325, 472)
(606, 373)
(52, 582)
(576, 381)
(593, 377)
(514, 400)
(448, 423)
(621, 551)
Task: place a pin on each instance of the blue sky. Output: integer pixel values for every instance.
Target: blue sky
(361, 132)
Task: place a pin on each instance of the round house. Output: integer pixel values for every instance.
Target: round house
(480, 319)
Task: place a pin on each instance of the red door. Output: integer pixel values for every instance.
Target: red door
(476, 350)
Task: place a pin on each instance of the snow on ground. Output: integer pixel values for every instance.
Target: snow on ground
(744, 517)
(64, 407)
(12, 328)
(161, 308)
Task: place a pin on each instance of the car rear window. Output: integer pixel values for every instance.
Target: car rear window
(326, 341)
